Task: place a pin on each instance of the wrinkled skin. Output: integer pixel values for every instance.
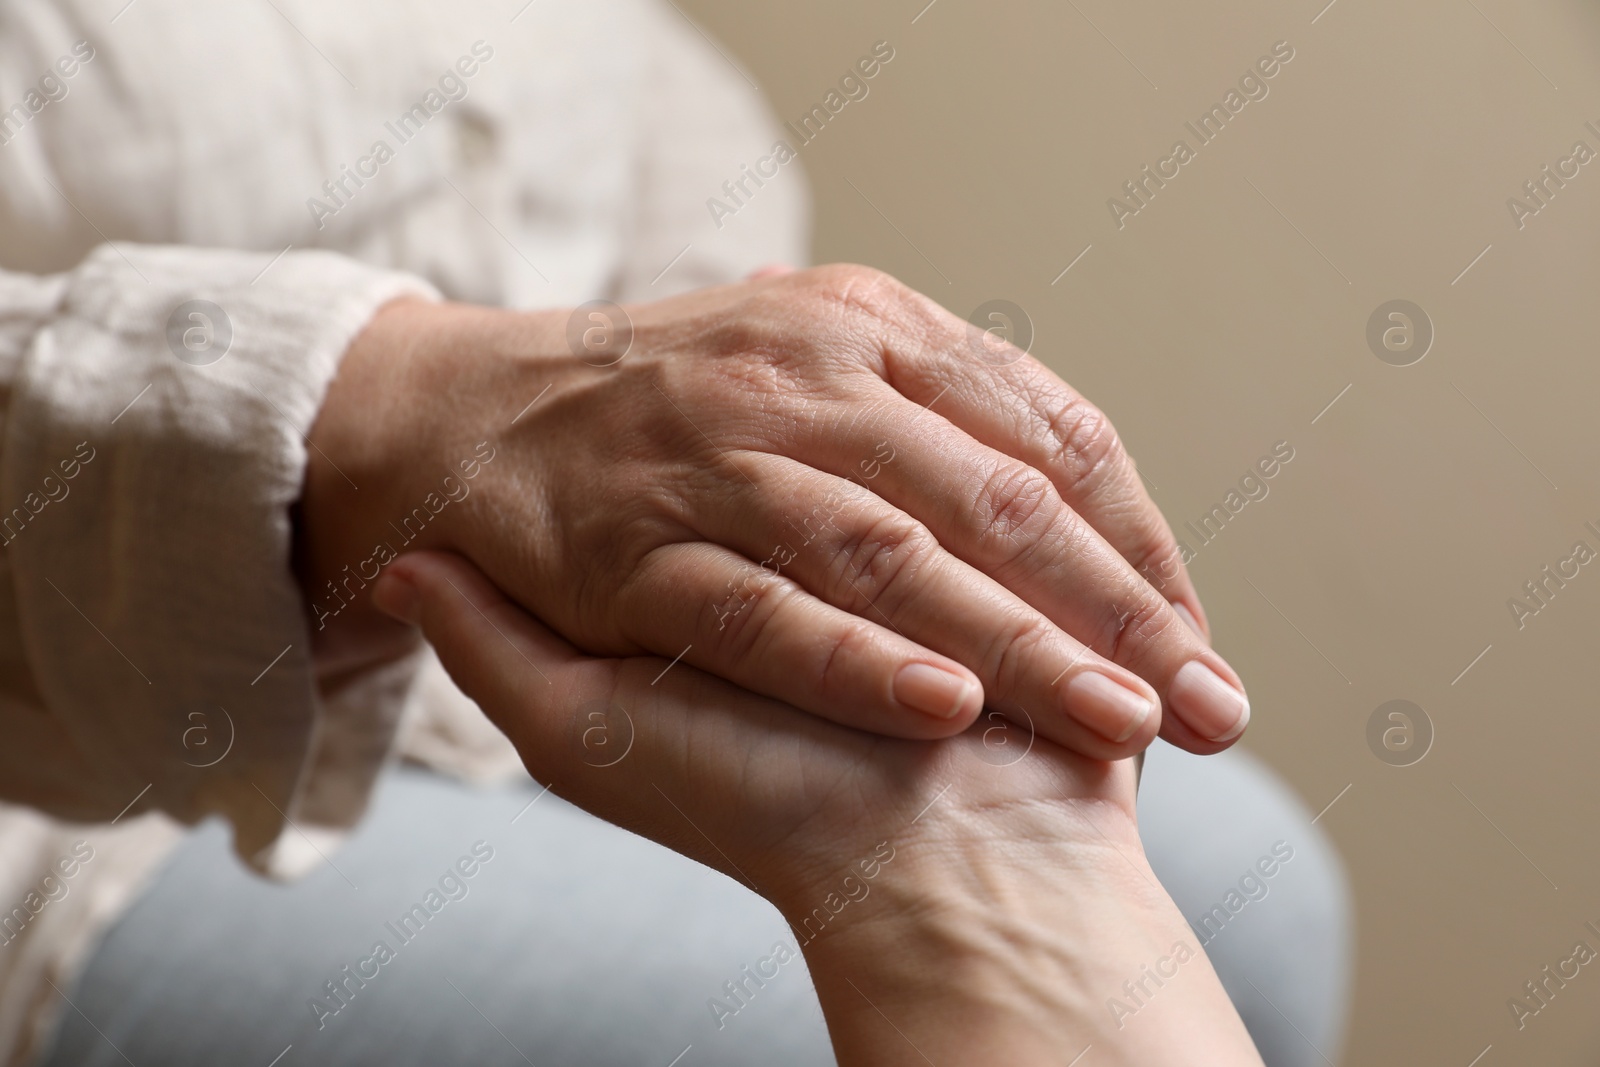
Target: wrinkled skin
(800, 483)
(1000, 897)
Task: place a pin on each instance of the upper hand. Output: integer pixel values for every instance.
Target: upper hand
(820, 486)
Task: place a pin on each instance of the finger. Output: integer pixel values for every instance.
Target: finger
(1008, 401)
(1011, 402)
(680, 734)
(751, 624)
(848, 547)
(492, 648)
(687, 779)
(1007, 519)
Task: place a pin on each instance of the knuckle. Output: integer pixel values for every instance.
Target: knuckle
(815, 324)
(1011, 503)
(881, 560)
(867, 310)
(743, 623)
(1087, 449)
(845, 646)
(1012, 651)
(853, 286)
(1135, 629)
(1085, 444)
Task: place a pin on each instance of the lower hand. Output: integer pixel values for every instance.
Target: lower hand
(1015, 901)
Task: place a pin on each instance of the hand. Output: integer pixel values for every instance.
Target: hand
(996, 914)
(815, 485)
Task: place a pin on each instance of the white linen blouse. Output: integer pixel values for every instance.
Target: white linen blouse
(200, 206)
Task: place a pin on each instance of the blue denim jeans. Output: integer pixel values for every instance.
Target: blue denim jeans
(515, 935)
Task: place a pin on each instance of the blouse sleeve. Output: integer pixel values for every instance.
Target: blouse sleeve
(154, 642)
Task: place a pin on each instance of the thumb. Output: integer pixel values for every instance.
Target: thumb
(519, 672)
(689, 738)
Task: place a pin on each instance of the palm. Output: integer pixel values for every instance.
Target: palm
(1018, 890)
(769, 795)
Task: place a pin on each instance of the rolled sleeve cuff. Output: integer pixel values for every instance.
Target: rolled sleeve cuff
(155, 444)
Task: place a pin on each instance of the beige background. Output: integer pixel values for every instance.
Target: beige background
(1210, 328)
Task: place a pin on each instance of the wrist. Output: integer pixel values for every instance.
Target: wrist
(995, 957)
(346, 484)
(1020, 949)
(395, 453)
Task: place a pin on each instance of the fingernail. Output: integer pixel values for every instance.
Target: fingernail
(1208, 703)
(1106, 706)
(398, 598)
(935, 691)
(1188, 619)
